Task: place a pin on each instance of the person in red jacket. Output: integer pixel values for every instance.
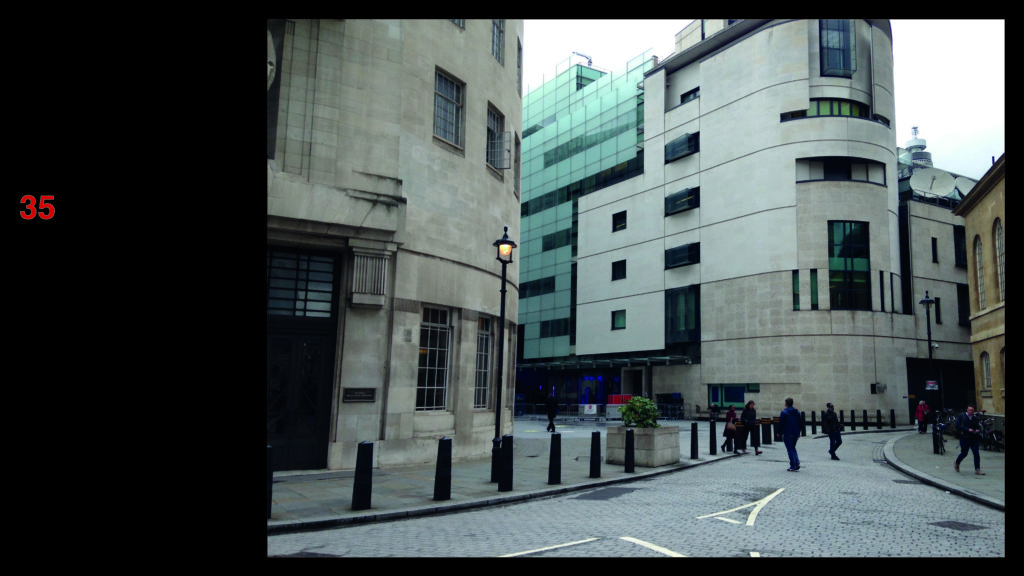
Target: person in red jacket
(922, 415)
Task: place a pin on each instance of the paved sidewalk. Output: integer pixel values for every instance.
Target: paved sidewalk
(913, 454)
(313, 500)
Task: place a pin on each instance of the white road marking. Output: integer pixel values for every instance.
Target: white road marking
(753, 513)
(755, 554)
(654, 547)
(548, 548)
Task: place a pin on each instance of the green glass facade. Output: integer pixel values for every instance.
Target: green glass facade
(582, 131)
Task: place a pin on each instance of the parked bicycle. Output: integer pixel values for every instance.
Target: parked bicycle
(990, 439)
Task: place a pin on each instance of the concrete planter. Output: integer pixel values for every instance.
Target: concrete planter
(652, 447)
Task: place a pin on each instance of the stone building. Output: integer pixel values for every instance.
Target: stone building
(392, 167)
(984, 210)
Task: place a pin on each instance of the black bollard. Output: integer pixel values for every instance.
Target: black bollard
(505, 483)
(814, 422)
(803, 424)
(555, 460)
(842, 420)
(495, 459)
(741, 440)
(878, 419)
(766, 431)
(364, 477)
(775, 426)
(892, 418)
(270, 477)
(443, 473)
(713, 440)
(595, 454)
(693, 441)
(853, 420)
(865, 414)
(629, 450)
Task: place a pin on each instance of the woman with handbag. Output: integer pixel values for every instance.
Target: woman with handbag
(730, 430)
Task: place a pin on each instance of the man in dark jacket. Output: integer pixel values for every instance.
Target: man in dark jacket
(970, 430)
(830, 425)
(789, 428)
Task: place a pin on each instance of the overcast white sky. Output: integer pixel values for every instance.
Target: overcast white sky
(950, 75)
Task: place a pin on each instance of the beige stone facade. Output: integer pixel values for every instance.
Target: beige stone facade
(984, 211)
(392, 148)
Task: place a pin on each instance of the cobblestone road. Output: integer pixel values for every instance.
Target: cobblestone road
(748, 506)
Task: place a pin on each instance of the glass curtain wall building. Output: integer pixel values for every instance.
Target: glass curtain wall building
(582, 131)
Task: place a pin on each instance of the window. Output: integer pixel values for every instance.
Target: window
(938, 310)
(683, 146)
(498, 153)
(498, 40)
(814, 289)
(963, 305)
(986, 372)
(682, 314)
(838, 42)
(519, 65)
(690, 95)
(935, 250)
(682, 201)
(840, 168)
(618, 270)
(619, 221)
(618, 319)
(448, 109)
(796, 289)
(483, 363)
(881, 291)
(432, 376)
(849, 266)
(997, 233)
(299, 284)
(979, 265)
(960, 246)
(682, 255)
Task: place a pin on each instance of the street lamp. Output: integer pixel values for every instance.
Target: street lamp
(928, 303)
(505, 247)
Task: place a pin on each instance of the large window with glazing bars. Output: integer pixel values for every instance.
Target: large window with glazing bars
(432, 375)
(849, 266)
(483, 362)
(838, 44)
(448, 108)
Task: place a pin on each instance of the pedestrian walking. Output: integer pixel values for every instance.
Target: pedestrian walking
(970, 430)
(552, 406)
(922, 417)
(749, 419)
(789, 430)
(730, 430)
(830, 425)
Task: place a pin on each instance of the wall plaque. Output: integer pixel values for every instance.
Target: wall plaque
(358, 394)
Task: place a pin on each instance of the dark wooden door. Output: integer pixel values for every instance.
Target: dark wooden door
(299, 369)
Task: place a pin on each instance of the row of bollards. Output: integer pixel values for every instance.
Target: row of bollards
(502, 465)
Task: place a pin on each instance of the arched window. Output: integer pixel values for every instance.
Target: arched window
(979, 266)
(986, 372)
(997, 240)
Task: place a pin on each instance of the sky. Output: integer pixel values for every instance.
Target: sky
(949, 76)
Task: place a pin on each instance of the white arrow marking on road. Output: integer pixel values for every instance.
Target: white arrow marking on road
(654, 547)
(548, 548)
(753, 514)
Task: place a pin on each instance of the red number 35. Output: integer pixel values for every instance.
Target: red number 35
(45, 208)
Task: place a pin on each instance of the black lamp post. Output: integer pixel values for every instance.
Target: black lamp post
(505, 247)
(928, 303)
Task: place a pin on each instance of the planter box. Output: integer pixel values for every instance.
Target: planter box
(652, 447)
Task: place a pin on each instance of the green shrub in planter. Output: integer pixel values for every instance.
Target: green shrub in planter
(640, 412)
